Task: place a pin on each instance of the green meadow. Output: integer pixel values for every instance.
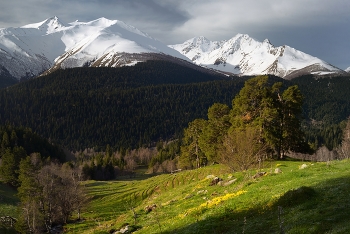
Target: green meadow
(315, 199)
(8, 206)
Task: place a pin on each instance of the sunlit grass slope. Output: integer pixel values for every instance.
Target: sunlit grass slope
(315, 199)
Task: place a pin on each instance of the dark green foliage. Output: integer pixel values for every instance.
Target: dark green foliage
(326, 105)
(136, 106)
(16, 144)
(19, 137)
(126, 107)
(263, 121)
(273, 112)
(8, 168)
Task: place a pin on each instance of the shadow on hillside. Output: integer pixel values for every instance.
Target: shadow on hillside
(322, 208)
(7, 195)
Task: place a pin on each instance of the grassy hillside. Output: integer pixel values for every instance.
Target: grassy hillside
(310, 200)
(8, 201)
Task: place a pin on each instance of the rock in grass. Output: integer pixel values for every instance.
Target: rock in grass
(215, 181)
(150, 208)
(278, 170)
(229, 182)
(259, 174)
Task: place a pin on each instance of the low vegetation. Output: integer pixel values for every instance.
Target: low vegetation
(301, 197)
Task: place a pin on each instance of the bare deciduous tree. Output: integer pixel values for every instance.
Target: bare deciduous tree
(58, 194)
(242, 149)
(344, 149)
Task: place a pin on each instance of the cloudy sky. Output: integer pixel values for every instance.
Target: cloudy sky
(317, 27)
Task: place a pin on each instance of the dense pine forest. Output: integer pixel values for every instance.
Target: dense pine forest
(124, 107)
(326, 107)
(131, 107)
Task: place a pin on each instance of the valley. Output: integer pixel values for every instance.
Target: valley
(104, 129)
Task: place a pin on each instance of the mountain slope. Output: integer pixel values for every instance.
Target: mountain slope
(245, 56)
(125, 107)
(34, 48)
(310, 200)
(347, 69)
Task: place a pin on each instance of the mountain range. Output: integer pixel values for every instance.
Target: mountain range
(32, 49)
(43, 47)
(242, 55)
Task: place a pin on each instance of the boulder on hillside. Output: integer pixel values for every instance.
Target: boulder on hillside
(150, 208)
(215, 181)
(278, 170)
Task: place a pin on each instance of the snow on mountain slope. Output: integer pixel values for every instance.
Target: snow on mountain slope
(245, 56)
(34, 48)
(347, 69)
(89, 42)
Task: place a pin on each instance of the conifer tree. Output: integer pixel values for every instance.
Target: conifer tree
(8, 168)
(191, 153)
(217, 125)
(275, 114)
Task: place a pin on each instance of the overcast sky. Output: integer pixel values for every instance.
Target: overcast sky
(317, 27)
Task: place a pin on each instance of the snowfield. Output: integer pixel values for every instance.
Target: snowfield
(243, 55)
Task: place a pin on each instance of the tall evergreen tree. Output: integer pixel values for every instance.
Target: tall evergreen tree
(191, 152)
(288, 123)
(274, 113)
(8, 168)
(212, 135)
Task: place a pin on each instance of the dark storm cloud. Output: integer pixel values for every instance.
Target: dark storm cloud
(317, 27)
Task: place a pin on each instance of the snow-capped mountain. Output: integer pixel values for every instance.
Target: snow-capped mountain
(347, 69)
(34, 48)
(245, 56)
(43, 47)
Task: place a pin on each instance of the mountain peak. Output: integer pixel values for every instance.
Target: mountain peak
(243, 55)
(267, 41)
(347, 69)
(50, 44)
(49, 25)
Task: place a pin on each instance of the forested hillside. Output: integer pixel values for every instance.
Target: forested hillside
(124, 107)
(136, 106)
(326, 105)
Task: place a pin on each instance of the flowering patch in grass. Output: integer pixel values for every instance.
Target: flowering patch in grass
(211, 203)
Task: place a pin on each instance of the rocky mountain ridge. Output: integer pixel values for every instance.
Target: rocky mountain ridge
(243, 55)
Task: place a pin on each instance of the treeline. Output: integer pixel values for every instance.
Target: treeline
(49, 189)
(16, 143)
